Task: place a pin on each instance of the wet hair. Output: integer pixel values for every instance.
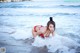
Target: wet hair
(50, 22)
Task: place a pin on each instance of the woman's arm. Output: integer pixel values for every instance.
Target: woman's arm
(47, 33)
(53, 33)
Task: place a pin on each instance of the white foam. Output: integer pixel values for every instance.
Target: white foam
(21, 34)
(56, 43)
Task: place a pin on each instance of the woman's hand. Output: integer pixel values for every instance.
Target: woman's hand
(47, 33)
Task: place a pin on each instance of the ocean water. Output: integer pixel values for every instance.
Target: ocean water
(18, 18)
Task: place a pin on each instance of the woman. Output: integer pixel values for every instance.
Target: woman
(56, 43)
(44, 31)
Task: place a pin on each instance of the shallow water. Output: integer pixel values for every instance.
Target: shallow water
(18, 18)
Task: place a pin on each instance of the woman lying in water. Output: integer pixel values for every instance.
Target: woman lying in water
(58, 43)
(44, 31)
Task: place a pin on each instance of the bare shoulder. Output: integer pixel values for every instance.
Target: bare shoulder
(45, 27)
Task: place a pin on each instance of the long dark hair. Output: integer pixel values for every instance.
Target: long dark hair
(50, 22)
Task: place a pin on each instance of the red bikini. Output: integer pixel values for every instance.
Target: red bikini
(42, 35)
